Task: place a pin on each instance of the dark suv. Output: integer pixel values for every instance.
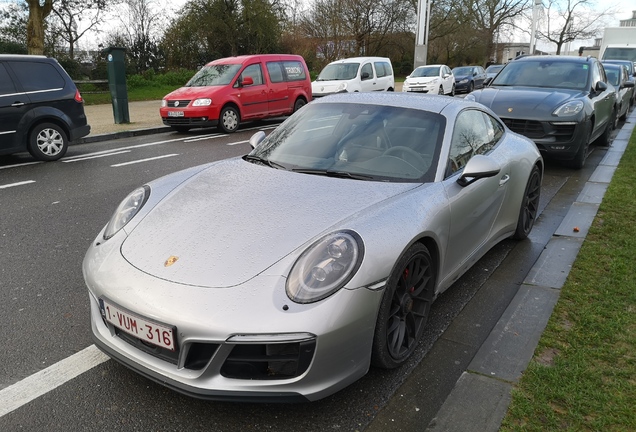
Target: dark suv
(562, 103)
(41, 109)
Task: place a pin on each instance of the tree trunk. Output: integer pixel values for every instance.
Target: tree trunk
(35, 25)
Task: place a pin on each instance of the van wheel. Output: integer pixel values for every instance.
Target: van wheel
(47, 142)
(229, 119)
(299, 104)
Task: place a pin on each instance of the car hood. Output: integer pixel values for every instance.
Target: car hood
(461, 77)
(193, 92)
(524, 102)
(235, 219)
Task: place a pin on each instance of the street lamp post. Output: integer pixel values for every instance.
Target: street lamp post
(421, 33)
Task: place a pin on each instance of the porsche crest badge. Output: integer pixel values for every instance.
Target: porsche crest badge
(173, 259)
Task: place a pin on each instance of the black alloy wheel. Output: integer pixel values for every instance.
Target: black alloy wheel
(529, 205)
(405, 308)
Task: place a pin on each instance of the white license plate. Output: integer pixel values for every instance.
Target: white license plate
(142, 328)
(175, 114)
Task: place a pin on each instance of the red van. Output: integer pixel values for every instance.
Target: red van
(227, 91)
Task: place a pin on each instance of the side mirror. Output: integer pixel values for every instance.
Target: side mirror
(600, 86)
(247, 81)
(487, 81)
(628, 84)
(478, 167)
(257, 138)
(365, 75)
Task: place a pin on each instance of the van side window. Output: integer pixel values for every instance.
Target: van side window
(6, 84)
(368, 69)
(255, 72)
(275, 71)
(294, 70)
(379, 69)
(31, 76)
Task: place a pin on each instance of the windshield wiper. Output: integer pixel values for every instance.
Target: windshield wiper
(330, 173)
(269, 163)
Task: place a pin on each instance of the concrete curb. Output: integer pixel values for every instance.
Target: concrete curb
(480, 398)
(123, 134)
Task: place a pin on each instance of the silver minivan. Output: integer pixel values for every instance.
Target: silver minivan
(357, 74)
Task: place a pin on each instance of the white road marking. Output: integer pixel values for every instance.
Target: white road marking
(19, 165)
(30, 388)
(16, 184)
(144, 160)
(201, 138)
(238, 142)
(95, 156)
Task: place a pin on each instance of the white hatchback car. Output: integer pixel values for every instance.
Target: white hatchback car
(357, 74)
(431, 79)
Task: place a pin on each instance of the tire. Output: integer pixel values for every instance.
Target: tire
(624, 116)
(181, 129)
(229, 119)
(605, 138)
(47, 142)
(529, 205)
(471, 86)
(453, 91)
(300, 102)
(405, 308)
(441, 90)
(581, 155)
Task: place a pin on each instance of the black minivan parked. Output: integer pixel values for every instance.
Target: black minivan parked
(41, 110)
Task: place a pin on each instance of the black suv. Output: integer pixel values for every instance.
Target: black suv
(562, 103)
(41, 109)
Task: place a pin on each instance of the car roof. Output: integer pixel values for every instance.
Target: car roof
(246, 58)
(424, 102)
(22, 57)
(359, 59)
(555, 58)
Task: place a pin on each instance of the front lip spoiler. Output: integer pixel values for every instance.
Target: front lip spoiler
(195, 392)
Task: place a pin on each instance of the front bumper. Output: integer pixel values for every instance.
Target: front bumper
(559, 140)
(335, 335)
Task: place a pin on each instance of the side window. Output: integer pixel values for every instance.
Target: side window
(6, 84)
(32, 76)
(368, 69)
(294, 70)
(379, 69)
(596, 75)
(475, 133)
(275, 71)
(255, 72)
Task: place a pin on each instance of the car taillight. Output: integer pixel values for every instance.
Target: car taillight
(78, 97)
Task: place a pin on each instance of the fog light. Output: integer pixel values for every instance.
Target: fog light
(558, 147)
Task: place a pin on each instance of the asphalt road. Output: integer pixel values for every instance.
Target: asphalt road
(49, 214)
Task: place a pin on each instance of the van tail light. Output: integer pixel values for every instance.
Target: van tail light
(78, 97)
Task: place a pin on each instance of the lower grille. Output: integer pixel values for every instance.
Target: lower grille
(529, 128)
(269, 361)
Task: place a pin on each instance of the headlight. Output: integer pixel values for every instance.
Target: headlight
(127, 210)
(569, 109)
(164, 103)
(470, 97)
(464, 81)
(202, 102)
(342, 87)
(325, 267)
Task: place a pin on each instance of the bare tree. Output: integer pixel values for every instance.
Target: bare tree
(70, 13)
(567, 21)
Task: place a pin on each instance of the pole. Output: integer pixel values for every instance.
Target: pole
(421, 32)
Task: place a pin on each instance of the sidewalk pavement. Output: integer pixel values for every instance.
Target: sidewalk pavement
(482, 394)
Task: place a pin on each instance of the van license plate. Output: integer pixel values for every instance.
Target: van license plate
(175, 113)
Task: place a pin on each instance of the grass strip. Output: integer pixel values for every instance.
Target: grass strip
(583, 374)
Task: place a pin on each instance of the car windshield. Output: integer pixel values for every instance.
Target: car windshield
(494, 69)
(356, 141)
(613, 75)
(431, 71)
(214, 75)
(462, 71)
(544, 73)
(339, 71)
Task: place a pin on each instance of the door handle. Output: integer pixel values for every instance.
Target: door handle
(504, 180)
(17, 104)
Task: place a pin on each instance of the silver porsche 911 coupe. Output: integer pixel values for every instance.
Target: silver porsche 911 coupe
(283, 275)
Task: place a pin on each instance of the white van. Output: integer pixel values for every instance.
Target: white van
(357, 74)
